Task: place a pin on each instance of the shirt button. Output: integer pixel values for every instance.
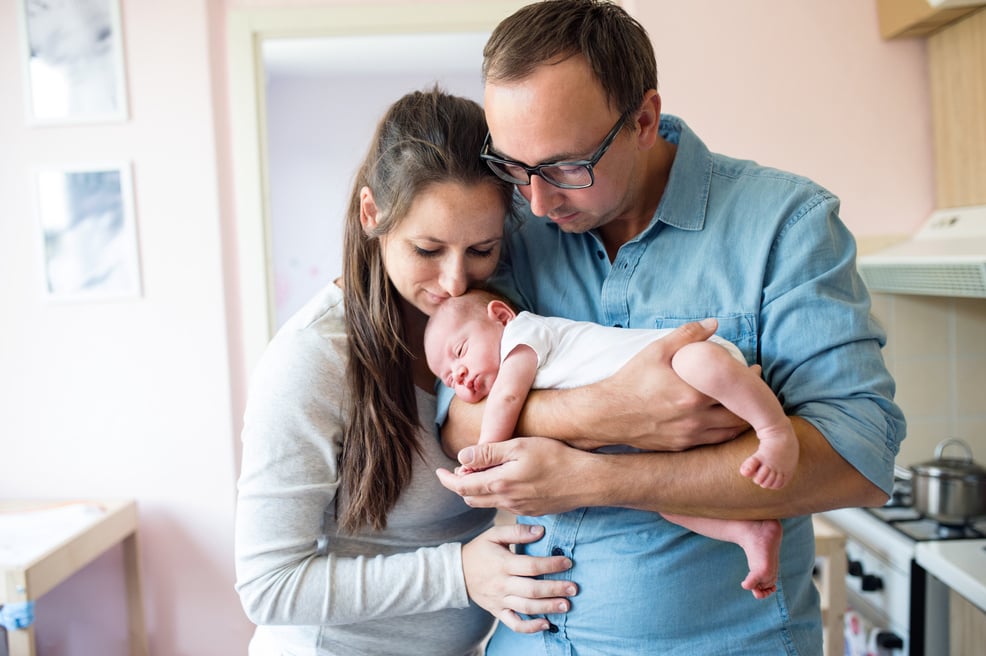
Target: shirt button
(600, 254)
(552, 628)
(557, 551)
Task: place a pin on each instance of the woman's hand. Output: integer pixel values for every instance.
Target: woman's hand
(503, 582)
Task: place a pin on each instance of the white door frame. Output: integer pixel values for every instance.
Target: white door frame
(246, 31)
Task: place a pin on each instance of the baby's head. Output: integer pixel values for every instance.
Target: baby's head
(462, 342)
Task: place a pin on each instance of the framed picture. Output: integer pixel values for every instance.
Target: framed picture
(88, 233)
(73, 54)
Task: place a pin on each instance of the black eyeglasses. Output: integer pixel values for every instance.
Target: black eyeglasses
(566, 175)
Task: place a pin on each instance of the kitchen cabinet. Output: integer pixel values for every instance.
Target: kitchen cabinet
(957, 76)
(830, 579)
(910, 18)
(961, 565)
(966, 626)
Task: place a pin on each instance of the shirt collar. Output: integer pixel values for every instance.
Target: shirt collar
(685, 199)
(686, 196)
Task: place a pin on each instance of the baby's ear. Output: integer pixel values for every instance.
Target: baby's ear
(500, 311)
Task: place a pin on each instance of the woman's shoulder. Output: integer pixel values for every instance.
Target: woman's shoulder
(312, 343)
(325, 309)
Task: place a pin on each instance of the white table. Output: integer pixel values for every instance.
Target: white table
(42, 543)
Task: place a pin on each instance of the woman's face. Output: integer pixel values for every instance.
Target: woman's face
(449, 240)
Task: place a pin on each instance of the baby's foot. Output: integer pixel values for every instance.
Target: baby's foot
(775, 460)
(763, 550)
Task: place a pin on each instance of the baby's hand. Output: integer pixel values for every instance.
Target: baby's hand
(462, 470)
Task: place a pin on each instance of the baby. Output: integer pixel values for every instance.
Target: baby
(481, 348)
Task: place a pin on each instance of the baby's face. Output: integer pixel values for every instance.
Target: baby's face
(464, 354)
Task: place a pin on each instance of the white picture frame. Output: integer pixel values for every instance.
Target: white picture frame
(73, 61)
(88, 232)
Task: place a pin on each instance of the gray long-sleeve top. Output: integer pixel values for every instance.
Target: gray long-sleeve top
(309, 589)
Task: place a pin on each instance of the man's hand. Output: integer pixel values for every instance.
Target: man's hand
(526, 475)
(647, 405)
(505, 583)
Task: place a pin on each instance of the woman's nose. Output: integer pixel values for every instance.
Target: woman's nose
(543, 196)
(453, 279)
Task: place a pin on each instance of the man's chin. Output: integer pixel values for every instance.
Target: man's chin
(571, 223)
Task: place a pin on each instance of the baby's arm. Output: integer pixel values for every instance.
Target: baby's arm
(508, 393)
(709, 368)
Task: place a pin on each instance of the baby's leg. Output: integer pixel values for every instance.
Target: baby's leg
(760, 540)
(710, 369)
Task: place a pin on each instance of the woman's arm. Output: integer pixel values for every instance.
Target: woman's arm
(285, 574)
(291, 438)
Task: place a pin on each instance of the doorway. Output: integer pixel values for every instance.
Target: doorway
(275, 274)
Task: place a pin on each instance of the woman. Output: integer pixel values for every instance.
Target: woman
(346, 543)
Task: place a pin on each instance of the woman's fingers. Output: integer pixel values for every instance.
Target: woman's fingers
(503, 582)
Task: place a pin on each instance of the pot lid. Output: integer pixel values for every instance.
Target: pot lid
(950, 467)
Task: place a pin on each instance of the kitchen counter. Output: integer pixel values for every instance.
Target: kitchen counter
(959, 564)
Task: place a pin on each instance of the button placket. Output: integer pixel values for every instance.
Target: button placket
(562, 538)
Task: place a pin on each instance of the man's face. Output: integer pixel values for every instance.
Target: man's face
(560, 113)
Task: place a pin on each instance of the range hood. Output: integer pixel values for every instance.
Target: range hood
(947, 257)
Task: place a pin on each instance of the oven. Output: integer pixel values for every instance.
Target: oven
(895, 607)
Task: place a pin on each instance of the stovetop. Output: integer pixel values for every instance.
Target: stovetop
(899, 513)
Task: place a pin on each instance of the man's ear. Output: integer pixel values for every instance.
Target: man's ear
(367, 210)
(649, 119)
(500, 311)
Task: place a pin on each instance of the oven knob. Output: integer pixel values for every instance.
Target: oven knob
(871, 583)
(889, 640)
(854, 568)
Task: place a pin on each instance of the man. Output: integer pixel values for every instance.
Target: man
(633, 222)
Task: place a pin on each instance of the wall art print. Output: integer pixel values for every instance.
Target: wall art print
(88, 233)
(73, 55)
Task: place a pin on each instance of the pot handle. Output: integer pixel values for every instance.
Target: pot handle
(940, 449)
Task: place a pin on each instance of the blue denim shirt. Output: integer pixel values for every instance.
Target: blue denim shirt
(765, 253)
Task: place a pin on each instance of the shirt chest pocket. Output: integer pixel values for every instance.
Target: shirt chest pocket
(740, 329)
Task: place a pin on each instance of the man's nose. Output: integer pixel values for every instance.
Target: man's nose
(543, 196)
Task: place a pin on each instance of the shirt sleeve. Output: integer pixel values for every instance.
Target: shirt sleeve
(285, 574)
(836, 379)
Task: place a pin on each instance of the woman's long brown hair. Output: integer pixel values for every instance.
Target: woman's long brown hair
(426, 137)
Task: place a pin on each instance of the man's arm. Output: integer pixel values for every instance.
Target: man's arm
(535, 474)
(645, 405)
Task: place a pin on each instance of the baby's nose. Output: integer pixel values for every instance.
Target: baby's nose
(459, 373)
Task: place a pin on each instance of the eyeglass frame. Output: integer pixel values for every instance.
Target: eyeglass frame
(589, 164)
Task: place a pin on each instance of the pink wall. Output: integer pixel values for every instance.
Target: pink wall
(130, 398)
(805, 86)
(143, 399)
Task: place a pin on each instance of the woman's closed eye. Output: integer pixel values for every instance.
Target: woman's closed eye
(424, 252)
(482, 252)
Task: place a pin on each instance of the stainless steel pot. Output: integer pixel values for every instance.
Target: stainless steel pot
(949, 490)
